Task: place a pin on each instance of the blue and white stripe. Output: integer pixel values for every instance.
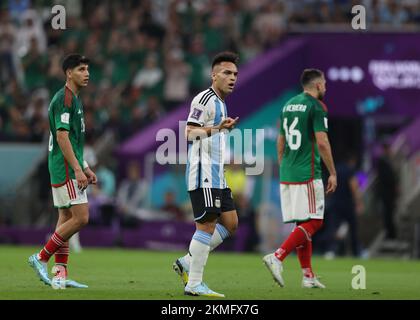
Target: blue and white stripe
(202, 237)
(224, 233)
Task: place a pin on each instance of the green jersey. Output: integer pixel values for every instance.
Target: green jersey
(300, 118)
(65, 113)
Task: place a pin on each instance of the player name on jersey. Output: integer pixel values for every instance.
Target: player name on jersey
(295, 108)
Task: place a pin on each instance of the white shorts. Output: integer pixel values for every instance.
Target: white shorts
(301, 202)
(68, 195)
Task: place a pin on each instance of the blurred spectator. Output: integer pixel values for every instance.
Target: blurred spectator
(18, 7)
(387, 189)
(171, 207)
(153, 111)
(236, 178)
(7, 40)
(37, 116)
(149, 77)
(345, 205)
(270, 24)
(176, 87)
(35, 66)
(31, 30)
(132, 195)
(200, 64)
(249, 48)
(248, 217)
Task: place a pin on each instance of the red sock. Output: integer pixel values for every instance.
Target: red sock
(299, 236)
(304, 254)
(51, 247)
(62, 255)
(295, 239)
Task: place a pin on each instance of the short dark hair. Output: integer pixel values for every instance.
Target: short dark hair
(225, 56)
(308, 75)
(73, 60)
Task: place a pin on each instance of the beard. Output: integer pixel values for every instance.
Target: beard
(321, 96)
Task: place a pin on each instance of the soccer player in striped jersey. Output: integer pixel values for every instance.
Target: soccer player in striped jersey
(214, 211)
(69, 173)
(302, 141)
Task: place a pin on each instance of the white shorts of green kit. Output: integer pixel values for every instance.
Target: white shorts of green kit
(68, 195)
(302, 202)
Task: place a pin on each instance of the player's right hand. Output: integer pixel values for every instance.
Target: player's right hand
(332, 184)
(82, 180)
(228, 123)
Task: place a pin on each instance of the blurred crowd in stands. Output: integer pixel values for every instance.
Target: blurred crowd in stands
(147, 56)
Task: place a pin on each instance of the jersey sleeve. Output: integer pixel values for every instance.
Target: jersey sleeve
(62, 115)
(197, 114)
(320, 118)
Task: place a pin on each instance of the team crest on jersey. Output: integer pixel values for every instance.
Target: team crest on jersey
(196, 113)
(65, 118)
(217, 203)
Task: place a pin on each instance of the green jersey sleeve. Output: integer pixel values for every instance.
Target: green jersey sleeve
(62, 115)
(320, 118)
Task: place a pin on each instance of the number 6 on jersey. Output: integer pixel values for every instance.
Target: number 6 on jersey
(293, 135)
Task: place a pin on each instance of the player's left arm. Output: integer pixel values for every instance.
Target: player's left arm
(281, 142)
(320, 125)
(357, 195)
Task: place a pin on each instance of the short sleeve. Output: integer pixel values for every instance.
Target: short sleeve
(320, 118)
(62, 115)
(197, 114)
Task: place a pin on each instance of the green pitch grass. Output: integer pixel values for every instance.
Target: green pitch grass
(137, 274)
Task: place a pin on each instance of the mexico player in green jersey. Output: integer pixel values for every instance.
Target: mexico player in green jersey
(302, 142)
(69, 173)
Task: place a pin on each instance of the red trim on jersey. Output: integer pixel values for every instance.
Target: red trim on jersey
(56, 185)
(303, 182)
(312, 169)
(68, 97)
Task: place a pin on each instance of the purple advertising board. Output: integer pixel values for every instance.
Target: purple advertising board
(368, 73)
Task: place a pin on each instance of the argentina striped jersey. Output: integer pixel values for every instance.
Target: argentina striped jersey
(205, 164)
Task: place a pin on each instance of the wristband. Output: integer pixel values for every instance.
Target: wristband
(85, 165)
